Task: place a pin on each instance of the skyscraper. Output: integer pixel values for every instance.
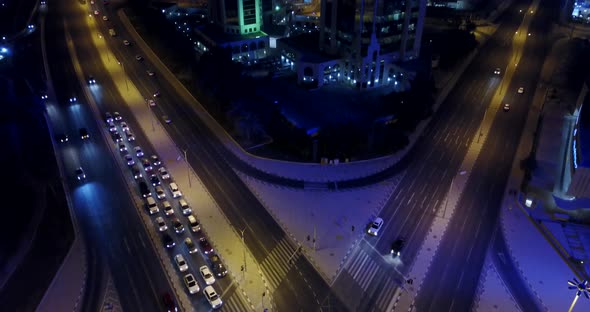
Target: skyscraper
(370, 35)
(238, 17)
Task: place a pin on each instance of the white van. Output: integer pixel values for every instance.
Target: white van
(151, 205)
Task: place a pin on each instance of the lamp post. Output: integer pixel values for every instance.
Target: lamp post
(244, 253)
(188, 173)
(126, 80)
(581, 288)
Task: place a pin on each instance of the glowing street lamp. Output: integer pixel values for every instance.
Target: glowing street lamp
(581, 288)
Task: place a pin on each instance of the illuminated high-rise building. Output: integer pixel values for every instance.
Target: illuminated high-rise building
(369, 35)
(239, 17)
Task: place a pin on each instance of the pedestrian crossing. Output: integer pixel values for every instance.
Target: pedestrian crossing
(373, 278)
(235, 303)
(278, 262)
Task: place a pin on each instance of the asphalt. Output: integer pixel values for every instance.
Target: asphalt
(115, 238)
(456, 269)
(208, 158)
(435, 161)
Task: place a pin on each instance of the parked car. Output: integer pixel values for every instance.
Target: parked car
(192, 248)
(186, 209)
(161, 224)
(207, 275)
(217, 265)
(167, 208)
(168, 241)
(212, 297)
(191, 284)
(195, 226)
(164, 173)
(180, 263)
(205, 246)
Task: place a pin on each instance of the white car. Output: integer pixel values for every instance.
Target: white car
(521, 90)
(167, 119)
(138, 151)
(160, 192)
(129, 160)
(126, 42)
(124, 126)
(164, 173)
(161, 224)
(186, 209)
(375, 226)
(182, 266)
(122, 147)
(150, 73)
(152, 103)
(174, 189)
(207, 275)
(212, 297)
(105, 18)
(168, 210)
(191, 284)
(506, 107)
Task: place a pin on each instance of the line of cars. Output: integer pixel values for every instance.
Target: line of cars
(158, 189)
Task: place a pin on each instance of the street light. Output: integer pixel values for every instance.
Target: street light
(244, 252)
(124, 73)
(581, 288)
(187, 168)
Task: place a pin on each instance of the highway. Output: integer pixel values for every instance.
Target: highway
(300, 287)
(115, 238)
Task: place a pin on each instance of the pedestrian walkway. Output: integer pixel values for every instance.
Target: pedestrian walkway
(66, 291)
(327, 225)
(279, 261)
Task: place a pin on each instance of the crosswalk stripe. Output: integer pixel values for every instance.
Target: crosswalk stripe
(372, 270)
(358, 269)
(354, 261)
(270, 275)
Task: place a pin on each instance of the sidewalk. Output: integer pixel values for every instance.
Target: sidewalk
(215, 225)
(65, 293)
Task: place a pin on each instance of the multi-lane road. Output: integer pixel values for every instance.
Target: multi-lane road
(106, 208)
(455, 270)
(118, 238)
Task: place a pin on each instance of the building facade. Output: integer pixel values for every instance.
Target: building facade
(365, 39)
